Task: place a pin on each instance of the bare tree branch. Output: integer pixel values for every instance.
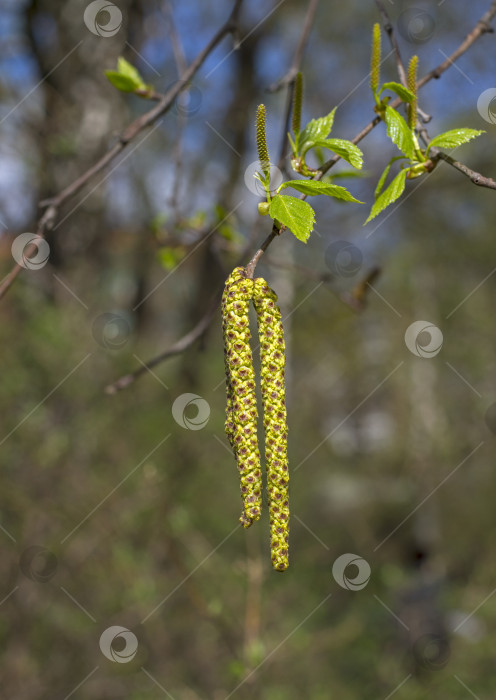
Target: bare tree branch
(482, 27)
(473, 176)
(436, 155)
(45, 224)
(129, 134)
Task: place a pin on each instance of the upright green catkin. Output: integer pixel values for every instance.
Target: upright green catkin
(272, 371)
(263, 151)
(375, 59)
(412, 85)
(297, 102)
(241, 410)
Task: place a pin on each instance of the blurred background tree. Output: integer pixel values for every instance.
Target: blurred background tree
(115, 514)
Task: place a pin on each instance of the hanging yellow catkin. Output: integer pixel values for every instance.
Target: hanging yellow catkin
(272, 376)
(241, 410)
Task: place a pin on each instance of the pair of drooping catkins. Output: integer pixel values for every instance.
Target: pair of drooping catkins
(242, 413)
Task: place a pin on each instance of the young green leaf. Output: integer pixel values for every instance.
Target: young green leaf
(125, 68)
(126, 78)
(403, 92)
(384, 175)
(390, 195)
(122, 82)
(347, 150)
(314, 187)
(316, 130)
(399, 133)
(453, 138)
(382, 180)
(294, 213)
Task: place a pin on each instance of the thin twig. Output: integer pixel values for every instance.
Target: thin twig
(473, 176)
(250, 268)
(145, 120)
(45, 224)
(285, 127)
(437, 155)
(388, 28)
(181, 66)
(482, 27)
(180, 346)
(253, 608)
(149, 95)
(192, 336)
(288, 78)
(356, 299)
